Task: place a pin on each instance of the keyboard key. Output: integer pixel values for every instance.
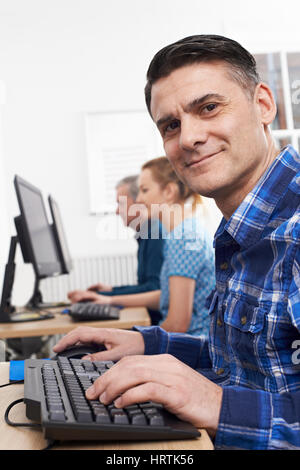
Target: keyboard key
(156, 420)
(56, 406)
(93, 375)
(102, 416)
(131, 407)
(109, 365)
(57, 415)
(88, 365)
(139, 419)
(83, 415)
(119, 416)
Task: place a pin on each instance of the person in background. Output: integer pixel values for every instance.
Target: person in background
(149, 254)
(187, 274)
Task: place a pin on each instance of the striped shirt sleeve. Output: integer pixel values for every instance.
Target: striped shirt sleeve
(191, 350)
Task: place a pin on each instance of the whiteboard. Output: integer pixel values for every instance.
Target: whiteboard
(117, 145)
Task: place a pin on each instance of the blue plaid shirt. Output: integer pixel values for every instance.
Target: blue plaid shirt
(252, 351)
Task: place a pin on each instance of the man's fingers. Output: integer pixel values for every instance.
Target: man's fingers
(150, 391)
(82, 335)
(127, 373)
(110, 355)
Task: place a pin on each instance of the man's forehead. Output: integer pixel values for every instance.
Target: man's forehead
(189, 83)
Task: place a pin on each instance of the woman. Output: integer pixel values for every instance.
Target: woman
(187, 274)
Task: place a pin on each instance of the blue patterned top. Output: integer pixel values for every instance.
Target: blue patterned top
(188, 252)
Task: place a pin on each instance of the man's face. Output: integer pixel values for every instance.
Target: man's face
(212, 130)
(124, 202)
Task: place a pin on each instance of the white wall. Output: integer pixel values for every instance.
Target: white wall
(60, 58)
(4, 225)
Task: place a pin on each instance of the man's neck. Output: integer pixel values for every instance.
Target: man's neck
(231, 202)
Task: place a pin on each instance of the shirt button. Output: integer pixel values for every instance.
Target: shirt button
(244, 320)
(219, 322)
(220, 371)
(224, 266)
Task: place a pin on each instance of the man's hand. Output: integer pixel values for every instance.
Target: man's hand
(162, 379)
(118, 343)
(86, 295)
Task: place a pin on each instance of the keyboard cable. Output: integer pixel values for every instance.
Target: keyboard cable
(50, 443)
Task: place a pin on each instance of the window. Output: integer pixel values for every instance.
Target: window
(293, 61)
(281, 71)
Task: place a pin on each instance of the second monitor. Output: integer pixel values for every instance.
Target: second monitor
(42, 245)
(60, 237)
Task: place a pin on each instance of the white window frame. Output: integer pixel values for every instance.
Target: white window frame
(290, 131)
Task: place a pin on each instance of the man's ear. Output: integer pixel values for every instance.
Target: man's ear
(264, 99)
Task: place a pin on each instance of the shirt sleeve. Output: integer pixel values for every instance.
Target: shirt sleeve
(191, 350)
(272, 424)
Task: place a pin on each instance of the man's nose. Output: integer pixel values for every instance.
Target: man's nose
(192, 133)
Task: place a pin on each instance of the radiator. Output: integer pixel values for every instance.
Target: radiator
(114, 270)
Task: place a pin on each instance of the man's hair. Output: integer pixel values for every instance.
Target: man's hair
(132, 183)
(203, 48)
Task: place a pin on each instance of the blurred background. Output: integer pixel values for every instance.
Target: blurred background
(72, 75)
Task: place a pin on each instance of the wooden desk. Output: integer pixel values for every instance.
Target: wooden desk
(21, 438)
(62, 324)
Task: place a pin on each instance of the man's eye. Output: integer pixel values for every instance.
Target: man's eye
(172, 126)
(210, 107)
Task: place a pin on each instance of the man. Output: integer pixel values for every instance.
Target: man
(243, 385)
(150, 252)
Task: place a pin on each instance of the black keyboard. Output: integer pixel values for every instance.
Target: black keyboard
(89, 311)
(55, 397)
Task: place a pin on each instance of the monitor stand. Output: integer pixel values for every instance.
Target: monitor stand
(36, 301)
(8, 312)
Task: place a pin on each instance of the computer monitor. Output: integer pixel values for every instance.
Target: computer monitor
(37, 242)
(34, 232)
(60, 237)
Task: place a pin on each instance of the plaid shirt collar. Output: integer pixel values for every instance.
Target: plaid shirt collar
(247, 223)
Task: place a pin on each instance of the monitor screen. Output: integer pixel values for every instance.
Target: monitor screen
(35, 227)
(60, 237)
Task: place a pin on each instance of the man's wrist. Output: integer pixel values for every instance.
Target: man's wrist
(154, 338)
(215, 413)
